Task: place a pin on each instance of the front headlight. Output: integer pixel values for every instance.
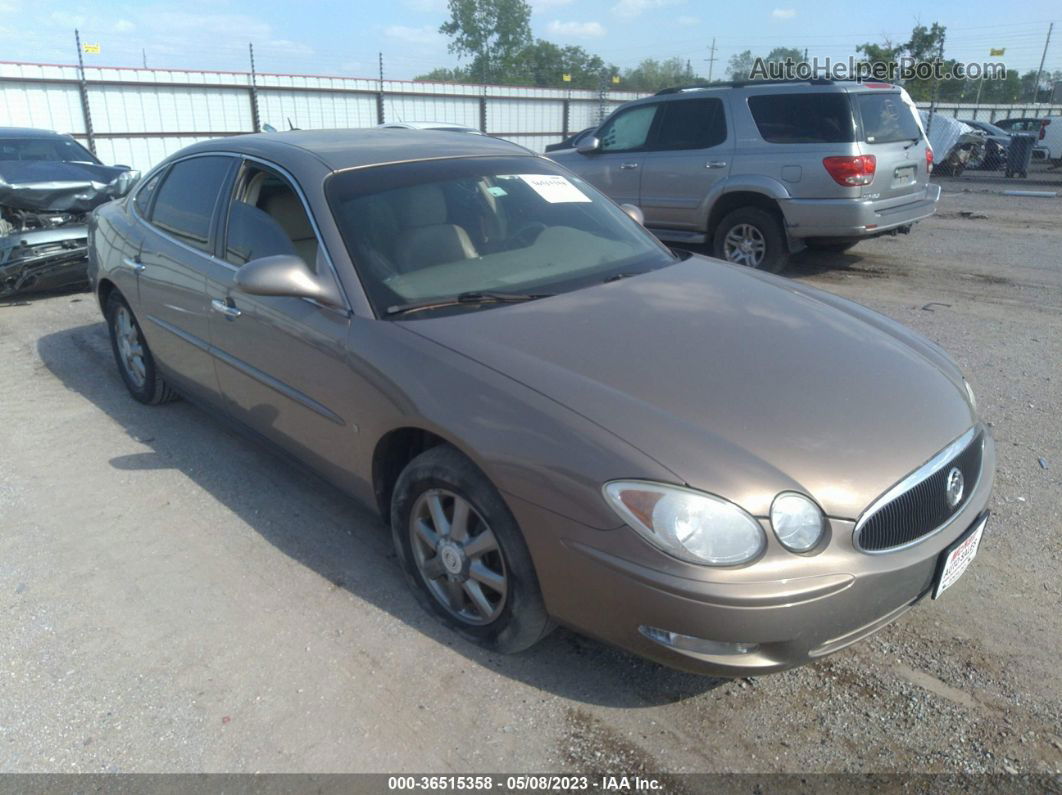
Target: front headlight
(797, 521)
(970, 394)
(691, 525)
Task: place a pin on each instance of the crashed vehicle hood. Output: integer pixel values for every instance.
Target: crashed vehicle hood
(741, 384)
(61, 187)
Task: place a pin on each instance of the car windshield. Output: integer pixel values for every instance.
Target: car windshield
(487, 228)
(48, 149)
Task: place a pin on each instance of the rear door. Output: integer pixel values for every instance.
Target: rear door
(890, 132)
(688, 154)
(174, 259)
(615, 168)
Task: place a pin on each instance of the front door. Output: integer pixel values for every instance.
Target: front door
(616, 167)
(281, 361)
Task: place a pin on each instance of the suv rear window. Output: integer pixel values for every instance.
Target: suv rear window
(803, 118)
(886, 119)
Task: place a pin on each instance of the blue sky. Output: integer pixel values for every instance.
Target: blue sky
(327, 37)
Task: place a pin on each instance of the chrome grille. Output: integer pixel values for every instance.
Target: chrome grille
(918, 506)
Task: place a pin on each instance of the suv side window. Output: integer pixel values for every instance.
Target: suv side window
(629, 130)
(691, 124)
(266, 218)
(803, 118)
(187, 197)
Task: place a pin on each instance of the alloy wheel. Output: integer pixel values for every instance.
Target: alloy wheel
(458, 557)
(130, 346)
(745, 245)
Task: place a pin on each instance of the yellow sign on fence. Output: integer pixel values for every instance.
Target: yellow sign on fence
(567, 78)
(615, 79)
(91, 49)
(993, 52)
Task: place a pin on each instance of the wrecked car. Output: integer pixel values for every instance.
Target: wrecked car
(956, 144)
(49, 183)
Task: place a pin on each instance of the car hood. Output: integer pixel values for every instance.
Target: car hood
(56, 186)
(739, 383)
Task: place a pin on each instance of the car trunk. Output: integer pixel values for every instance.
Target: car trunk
(890, 130)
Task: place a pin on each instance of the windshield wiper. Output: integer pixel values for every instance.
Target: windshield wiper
(913, 142)
(472, 297)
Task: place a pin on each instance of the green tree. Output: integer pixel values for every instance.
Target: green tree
(740, 66)
(491, 32)
(653, 75)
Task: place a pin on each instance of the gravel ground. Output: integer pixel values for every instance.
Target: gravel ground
(174, 597)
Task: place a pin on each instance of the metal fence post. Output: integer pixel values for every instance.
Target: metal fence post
(483, 113)
(255, 120)
(566, 117)
(82, 87)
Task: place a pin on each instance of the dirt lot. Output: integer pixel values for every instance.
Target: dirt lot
(175, 598)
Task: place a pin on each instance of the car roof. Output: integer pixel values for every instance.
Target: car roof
(28, 132)
(345, 148)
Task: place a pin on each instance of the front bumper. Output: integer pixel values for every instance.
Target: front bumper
(610, 583)
(43, 259)
(856, 218)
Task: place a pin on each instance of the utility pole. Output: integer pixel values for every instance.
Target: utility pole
(143, 56)
(1040, 71)
(711, 61)
(936, 87)
(254, 93)
(82, 86)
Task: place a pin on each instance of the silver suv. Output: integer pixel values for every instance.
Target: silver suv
(761, 170)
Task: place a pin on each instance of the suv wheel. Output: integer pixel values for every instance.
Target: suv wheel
(135, 362)
(753, 237)
(463, 553)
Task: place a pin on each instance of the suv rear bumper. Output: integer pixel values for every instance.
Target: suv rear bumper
(855, 218)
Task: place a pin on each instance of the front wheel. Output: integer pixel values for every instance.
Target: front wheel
(753, 237)
(463, 553)
(136, 365)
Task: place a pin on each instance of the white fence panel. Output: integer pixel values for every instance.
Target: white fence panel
(141, 153)
(453, 110)
(53, 106)
(152, 109)
(315, 110)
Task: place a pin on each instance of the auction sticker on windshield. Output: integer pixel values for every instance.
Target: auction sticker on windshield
(554, 188)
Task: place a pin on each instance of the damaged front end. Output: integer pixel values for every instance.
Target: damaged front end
(44, 208)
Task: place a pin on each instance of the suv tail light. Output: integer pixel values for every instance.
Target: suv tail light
(929, 159)
(851, 170)
(1043, 127)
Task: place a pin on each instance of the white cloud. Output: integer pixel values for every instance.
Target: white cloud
(576, 30)
(688, 21)
(783, 13)
(426, 34)
(543, 5)
(124, 26)
(427, 6)
(629, 9)
(66, 20)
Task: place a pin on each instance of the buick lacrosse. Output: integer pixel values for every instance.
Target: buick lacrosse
(562, 420)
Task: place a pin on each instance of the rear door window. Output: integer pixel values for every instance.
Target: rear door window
(691, 124)
(803, 118)
(186, 199)
(886, 119)
(629, 130)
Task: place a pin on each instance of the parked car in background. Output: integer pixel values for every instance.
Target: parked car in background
(48, 184)
(562, 420)
(1048, 132)
(572, 141)
(759, 170)
(429, 125)
(997, 141)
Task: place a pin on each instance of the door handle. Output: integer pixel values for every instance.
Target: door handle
(715, 164)
(628, 165)
(135, 264)
(224, 308)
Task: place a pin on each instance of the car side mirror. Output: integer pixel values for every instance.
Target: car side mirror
(591, 144)
(286, 275)
(634, 212)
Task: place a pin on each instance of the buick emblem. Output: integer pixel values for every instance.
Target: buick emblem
(954, 486)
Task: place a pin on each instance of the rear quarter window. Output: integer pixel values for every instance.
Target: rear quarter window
(803, 118)
(886, 119)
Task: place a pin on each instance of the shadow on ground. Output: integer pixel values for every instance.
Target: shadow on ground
(330, 533)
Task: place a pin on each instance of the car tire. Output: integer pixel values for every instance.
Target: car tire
(449, 568)
(135, 363)
(835, 247)
(751, 226)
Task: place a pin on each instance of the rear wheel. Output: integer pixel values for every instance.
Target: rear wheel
(136, 365)
(463, 553)
(753, 237)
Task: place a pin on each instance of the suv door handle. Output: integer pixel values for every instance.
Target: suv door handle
(134, 263)
(715, 164)
(628, 165)
(224, 308)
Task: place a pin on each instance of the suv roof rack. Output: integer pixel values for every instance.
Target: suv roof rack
(814, 81)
